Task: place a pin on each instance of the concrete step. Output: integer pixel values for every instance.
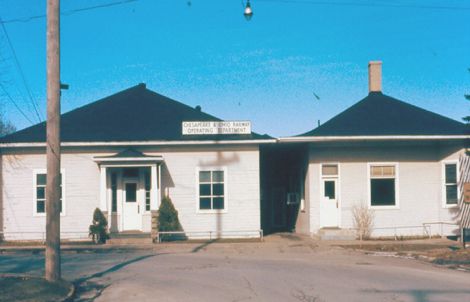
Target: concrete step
(336, 234)
(130, 241)
(133, 238)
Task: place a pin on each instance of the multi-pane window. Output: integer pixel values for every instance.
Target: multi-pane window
(114, 192)
(450, 182)
(382, 185)
(148, 189)
(40, 196)
(211, 190)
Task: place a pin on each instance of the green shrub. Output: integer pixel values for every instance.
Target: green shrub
(168, 220)
(98, 230)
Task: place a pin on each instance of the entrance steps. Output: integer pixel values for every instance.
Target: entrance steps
(336, 234)
(129, 238)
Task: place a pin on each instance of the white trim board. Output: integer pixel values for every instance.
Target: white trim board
(142, 143)
(370, 138)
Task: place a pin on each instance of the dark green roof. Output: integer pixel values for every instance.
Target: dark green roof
(382, 115)
(135, 114)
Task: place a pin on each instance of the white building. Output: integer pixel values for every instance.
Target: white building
(122, 154)
(125, 152)
(406, 164)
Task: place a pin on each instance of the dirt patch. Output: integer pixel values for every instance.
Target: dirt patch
(25, 289)
(459, 256)
(398, 247)
(451, 255)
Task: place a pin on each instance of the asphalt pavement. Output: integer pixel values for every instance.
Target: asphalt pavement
(283, 268)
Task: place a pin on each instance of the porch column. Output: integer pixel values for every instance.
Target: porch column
(154, 202)
(103, 191)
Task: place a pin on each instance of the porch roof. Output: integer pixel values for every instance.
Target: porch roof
(128, 155)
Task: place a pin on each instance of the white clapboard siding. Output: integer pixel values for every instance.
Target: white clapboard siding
(420, 185)
(82, 189)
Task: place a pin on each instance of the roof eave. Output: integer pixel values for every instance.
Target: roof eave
(142, 143)
(299, 139)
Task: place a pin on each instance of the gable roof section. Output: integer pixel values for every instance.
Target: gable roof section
(381, 115)
(136, 114)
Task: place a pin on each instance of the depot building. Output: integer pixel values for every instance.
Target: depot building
(125, 152)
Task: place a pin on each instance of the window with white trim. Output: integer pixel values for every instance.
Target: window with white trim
(211, 190)
(450, 183)
(383, 185)
(148, 189)
(40, 193)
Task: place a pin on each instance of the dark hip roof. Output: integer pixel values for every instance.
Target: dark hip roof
(134, 114)
(381, 115)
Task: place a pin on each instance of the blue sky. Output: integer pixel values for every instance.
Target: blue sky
(266, 70)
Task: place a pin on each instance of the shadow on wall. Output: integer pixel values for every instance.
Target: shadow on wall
(220, 161)
(14, 163)
(166, 181)
(461, 214)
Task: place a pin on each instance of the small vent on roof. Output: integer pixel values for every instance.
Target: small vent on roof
(142, 85)
(198, 108)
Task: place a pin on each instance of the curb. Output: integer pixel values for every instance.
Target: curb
(41, 249)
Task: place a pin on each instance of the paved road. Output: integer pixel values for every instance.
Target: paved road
(281, 269)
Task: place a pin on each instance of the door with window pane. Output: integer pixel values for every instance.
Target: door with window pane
(330, 210)
(132, 206)
(329, 203)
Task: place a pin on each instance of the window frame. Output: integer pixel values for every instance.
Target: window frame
(212, 211)
(445, 205)
(337, 177)
(396, 206)
(149, 191)
(63, 185)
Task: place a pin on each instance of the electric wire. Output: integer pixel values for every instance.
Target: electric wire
(308, 2)
(23, 78)
(15, 104)
(369, 4)
(69, 12)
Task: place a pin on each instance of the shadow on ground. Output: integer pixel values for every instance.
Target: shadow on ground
(88, 291)
(421, 295)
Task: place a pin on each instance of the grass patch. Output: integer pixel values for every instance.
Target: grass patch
(26, 289)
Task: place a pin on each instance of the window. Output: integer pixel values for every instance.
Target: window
(131, 192)
(450, 184)
(211, 190)
(329, 189)
(148, 188)
(330, 176)
(114, 192)
(383, 185)
(329, 170)
(40, 194)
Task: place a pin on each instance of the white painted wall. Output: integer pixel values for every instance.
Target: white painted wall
(420, 182)
(82, 189)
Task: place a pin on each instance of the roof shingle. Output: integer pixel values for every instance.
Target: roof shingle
(134, 114)
(382, 115)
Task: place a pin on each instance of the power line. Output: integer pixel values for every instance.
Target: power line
(15, 104)
(370, 4)
(69, 12)
(18, 65)
(330, 3)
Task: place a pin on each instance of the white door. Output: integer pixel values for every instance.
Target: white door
(329, 203)
(131, 208)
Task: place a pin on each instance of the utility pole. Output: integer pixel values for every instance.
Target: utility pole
(53, 185)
